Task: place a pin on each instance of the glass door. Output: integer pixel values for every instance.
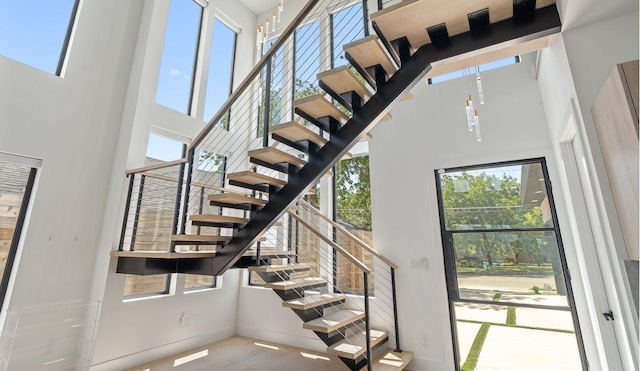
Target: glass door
(507, 280)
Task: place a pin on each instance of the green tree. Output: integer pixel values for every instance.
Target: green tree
(353, 192)
(486, 202)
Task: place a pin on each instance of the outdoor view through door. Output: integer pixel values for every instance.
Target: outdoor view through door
(509, 293)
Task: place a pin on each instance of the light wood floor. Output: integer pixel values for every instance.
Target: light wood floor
(240, 353)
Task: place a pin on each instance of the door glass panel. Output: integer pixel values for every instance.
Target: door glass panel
(504, 197)
(504, 264)
(519, 267)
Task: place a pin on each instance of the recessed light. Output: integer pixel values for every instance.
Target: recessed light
(534, 200)
(538, 191)
(541, 179)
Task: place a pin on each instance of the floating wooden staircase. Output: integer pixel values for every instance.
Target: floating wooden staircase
(324, 313)
(413, 40)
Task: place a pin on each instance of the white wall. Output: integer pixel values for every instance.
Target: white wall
(572, 72)
(429, 133)
(135, 332)
(72, 124)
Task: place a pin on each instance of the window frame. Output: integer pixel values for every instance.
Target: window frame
(449, 259)
(191, 104)
(149, 295)
(64, 48)
(20, 222)
(198, 103)
(517, 59)
(214, 285)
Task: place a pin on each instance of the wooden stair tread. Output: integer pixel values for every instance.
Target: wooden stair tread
(295, 283)
(312, 301)
(199, 238)
(253, 178)
(296, 132)
(274, 156)
(411, 18)
(369, 51)
(279, 268)
(163, 254)
(317, 106)
(407, 96)
(215, 218)
(236, 199)
(334, 321)
(355, 345)
(342, 80)
(392, 361)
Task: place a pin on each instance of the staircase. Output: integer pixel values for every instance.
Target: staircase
(413, 40)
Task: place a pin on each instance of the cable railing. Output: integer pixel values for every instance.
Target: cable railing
(286, 72)
(306, 245)
(382, 287)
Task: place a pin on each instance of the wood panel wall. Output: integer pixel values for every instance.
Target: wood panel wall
(615, 114)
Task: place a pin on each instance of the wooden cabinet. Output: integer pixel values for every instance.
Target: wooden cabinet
(615, 114)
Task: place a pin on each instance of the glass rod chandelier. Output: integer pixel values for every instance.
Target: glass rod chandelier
(269, 25)
(473, 121)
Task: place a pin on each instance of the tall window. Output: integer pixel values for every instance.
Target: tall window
(505, 268)
(346, 26)
(353, 212)
(274, 96)
(307, 60)
(37, 32)
(175, 82)
(154, 215)
(220, 77)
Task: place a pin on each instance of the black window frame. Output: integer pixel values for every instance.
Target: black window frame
(450, 262)
(17, 232)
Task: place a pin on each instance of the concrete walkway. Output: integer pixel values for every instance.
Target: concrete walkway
(511, 348)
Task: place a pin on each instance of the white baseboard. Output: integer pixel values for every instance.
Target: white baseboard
(153, 354)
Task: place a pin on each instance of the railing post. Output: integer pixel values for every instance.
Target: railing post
(395, 308)
(187, 190)
(366, 320)
(200, 209)
(365, 16)
(267, 105)
(176, 208)
(136, 216)
(125, 220)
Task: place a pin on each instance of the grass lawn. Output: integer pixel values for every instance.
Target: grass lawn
(509, 269)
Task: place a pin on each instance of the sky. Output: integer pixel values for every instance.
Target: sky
(33, 32)
(163, 148)
(179, 55)
(483, 67)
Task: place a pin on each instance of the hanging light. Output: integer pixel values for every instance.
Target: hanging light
(280, 9)
(476, 122)
(473, 119)
(273, 22)
(470, 121)
(479, 84)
